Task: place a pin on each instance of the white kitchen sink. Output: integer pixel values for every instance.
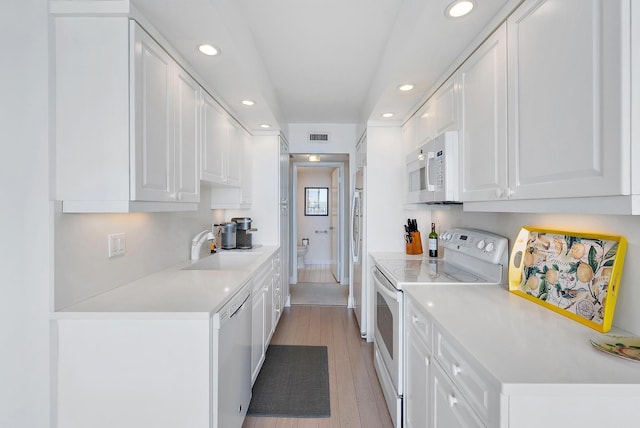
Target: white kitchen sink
(229, 260)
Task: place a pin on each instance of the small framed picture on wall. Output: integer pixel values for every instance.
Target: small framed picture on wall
(316, 201)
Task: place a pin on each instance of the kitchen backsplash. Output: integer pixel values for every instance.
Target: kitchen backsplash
(154, 241)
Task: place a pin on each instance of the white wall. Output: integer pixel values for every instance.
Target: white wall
(627, 315)
(25, 253)
(319, 250)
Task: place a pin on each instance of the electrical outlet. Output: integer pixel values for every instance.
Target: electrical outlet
(116, 244)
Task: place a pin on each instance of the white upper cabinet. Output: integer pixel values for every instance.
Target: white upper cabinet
(152, 124)
(445, 102)
(187, 114)
(569, 84)
(214, 135)
(234, 153)
(226, 158)
(424, 124)
(126, 120)
(439, 114)
(165, 125)
(483, 117)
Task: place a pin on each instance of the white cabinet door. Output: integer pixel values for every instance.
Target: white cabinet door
(483, 132)
(267, 330)
(450, 409)
(246, 179)
(416, 399)
(424, 124)
(152, 124)
(568, 85)
(234, 153)
(213, 140)
(257, 332)
(187, 93)
(445, 102)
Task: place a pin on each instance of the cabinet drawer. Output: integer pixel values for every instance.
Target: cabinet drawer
(450, 408)
(476, 385)
(419, 323)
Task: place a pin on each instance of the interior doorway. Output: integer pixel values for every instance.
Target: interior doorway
(319, 229)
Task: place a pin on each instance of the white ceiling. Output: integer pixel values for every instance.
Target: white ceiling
(320, 61)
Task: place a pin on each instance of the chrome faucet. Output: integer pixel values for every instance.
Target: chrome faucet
(198, 240)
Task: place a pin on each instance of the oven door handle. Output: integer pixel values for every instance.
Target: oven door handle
(386, 286)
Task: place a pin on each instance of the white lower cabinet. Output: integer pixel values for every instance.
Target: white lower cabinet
(450, 409)
(265, 313)
(433, 397)
(257, 330)
(418, 367)
(499, 361)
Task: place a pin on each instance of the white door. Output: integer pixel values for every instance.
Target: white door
(152, 127)
(334, 211)
(567, 131)
(187, 176)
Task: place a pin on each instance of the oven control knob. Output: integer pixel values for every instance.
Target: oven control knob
(490, 247)
(481, 244)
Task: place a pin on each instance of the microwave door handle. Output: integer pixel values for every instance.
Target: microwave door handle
(430, 187)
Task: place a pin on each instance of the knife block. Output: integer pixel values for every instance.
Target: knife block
(415, 246)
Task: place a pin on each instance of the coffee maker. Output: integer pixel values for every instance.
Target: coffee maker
(243, 232)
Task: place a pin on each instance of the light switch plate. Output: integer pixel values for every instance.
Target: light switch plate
(116, 244)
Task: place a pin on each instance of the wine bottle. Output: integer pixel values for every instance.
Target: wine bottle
(433, 241)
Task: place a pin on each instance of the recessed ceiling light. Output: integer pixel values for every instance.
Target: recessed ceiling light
(248, 102)
(459, 8)
(405, 88)
(265, 126)
(208, 49)
(387, 114)
(314, 158)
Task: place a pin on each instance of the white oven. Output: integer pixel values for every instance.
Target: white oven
(473, 257)
(432, 171)
(389, 341)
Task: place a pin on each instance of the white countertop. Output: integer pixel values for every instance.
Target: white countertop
(172, 293)
(520, 343)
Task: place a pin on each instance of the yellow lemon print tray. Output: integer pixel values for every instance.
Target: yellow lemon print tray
(574, 274)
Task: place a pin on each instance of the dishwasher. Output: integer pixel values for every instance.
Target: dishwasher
(232, 361)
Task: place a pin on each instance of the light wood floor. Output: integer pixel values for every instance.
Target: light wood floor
(316, 273)
(355, 394)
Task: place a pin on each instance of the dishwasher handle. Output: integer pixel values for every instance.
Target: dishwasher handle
(235, 309)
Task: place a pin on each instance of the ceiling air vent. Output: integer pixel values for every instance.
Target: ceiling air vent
(318, 138)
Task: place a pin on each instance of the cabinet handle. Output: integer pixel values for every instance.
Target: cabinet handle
(452, 400)
(427, 361)
(456, 369)
(414, 319)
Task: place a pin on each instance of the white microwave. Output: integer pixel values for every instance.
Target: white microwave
(432, 171)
